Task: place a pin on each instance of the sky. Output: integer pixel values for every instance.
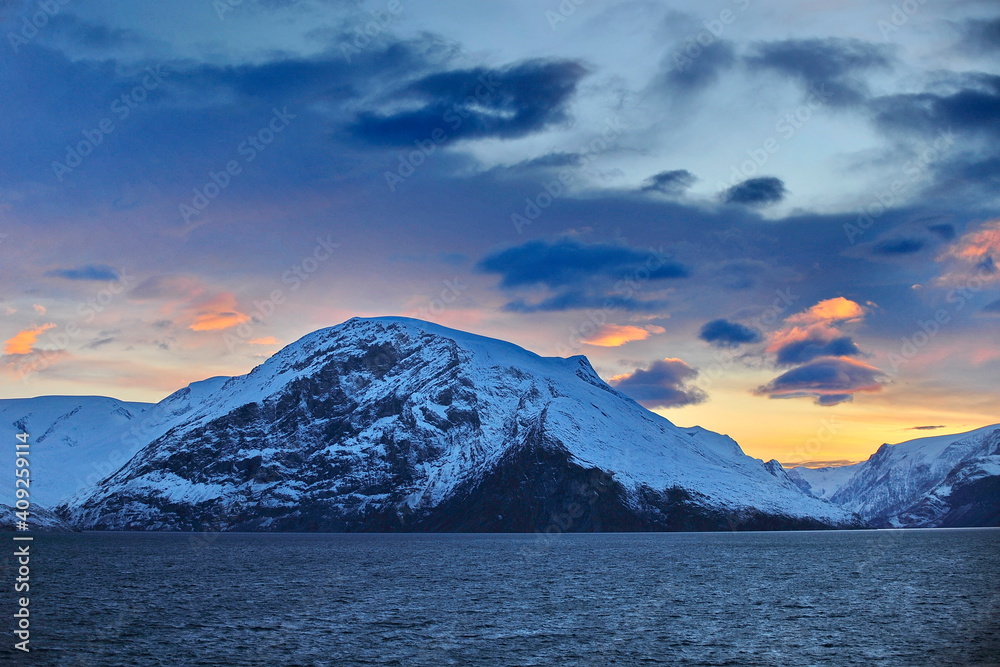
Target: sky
(779, 221)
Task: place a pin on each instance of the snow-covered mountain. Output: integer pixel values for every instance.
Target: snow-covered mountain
(944, 480)
(821, 482)
(897, 477)
(75, 441)
(398, 424)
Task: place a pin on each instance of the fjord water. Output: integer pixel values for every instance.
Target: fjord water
(916, 597)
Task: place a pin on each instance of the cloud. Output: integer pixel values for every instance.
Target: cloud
(723, 333)
(689, 74)
(614, 335)
(582, 275)
(100, 272)
(973, 256)
(23, 342)
(94, 344)
(762, 191)
(837, 309)
(267, 340)
(217, 312)
(993, 307)
(899, 246)
(945, 231)
(980, 35)
(506, 103)
(926, 428)
(38, 308)
(813, 343)
(973, 106)
(663, 385)
(830, 67)
(829, 380)
(566, 262)
(579, 300)
(670, 182)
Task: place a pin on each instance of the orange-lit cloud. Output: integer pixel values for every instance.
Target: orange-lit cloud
(614, 335)
(268, 340)
(837, 309)
(39, 308)
(782, 337)
(220, 311)
(975, 255)
(979, 244)
(23, 342)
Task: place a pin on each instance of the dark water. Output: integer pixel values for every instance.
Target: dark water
(822, 598)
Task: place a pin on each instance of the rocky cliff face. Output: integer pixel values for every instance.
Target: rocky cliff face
(397, 424)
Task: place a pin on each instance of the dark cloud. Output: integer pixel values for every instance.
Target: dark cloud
(91, 35)
(670, 182)
(687, 73)
(94, 344)
(900, 246)
(550, 161)
(926, 428)
(815, 346)
(762, 191)
(595, 275)
(826, 400)
(88, 272)
(663, 385)
(944, 230)
(982, 34)
(567, 262)
(578, 300)
(473, 103)
(828, 380)
(723, 333)
(974, 106)
(992, 307)
(829, 68)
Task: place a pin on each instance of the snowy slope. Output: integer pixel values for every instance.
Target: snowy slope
(822, 482)
(75, 441)
(381, 423)
(968, 496)
(898, 476)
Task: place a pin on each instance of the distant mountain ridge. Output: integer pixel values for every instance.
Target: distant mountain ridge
(944, 480)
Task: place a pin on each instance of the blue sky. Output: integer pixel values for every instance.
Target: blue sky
(765, 218)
